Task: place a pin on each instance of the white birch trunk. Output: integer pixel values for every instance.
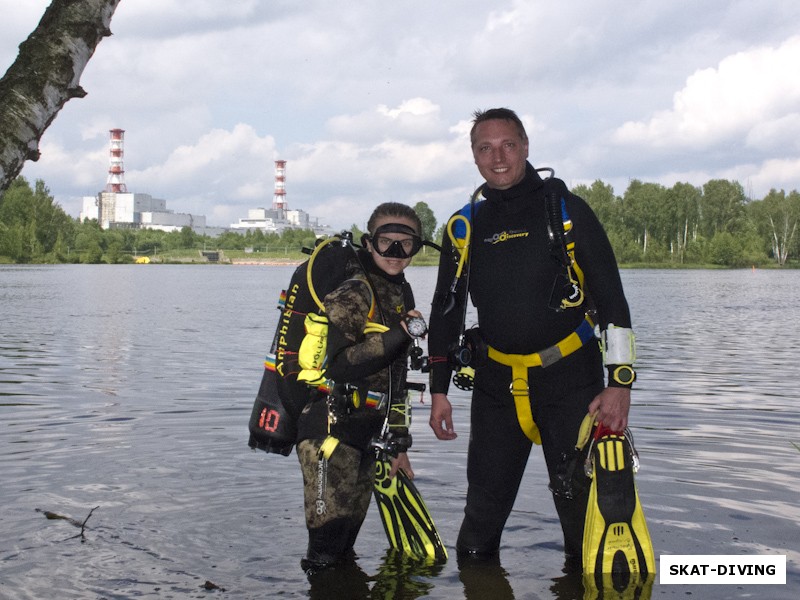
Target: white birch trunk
(45, 75)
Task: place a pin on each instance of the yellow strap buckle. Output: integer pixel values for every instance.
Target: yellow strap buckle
(327, 447)
(519, 390)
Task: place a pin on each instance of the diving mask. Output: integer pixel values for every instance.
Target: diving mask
(392, 248)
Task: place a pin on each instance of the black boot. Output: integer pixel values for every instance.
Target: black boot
(572, 514)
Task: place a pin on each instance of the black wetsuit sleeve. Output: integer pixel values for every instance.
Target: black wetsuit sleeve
(444, 328)
(602, 278)
(596, 258)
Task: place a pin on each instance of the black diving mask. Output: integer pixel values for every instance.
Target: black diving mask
(391, 248)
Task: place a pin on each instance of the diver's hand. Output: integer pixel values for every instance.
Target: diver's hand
(404, 325)
(442, 417)
(611, 406)
(401, 462)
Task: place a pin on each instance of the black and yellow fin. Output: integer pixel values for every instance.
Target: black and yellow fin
(616, 541)
(406, 520)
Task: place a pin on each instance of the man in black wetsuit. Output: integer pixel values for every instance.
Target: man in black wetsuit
(536, 316)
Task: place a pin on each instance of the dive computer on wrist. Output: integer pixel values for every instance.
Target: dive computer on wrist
(624, 375)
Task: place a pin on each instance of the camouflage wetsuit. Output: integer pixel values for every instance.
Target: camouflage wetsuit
(338, 490)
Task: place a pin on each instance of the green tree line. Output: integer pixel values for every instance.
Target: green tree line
(650, 224)
(715, 224)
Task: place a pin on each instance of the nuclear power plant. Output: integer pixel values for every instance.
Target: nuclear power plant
(115, 207)
(279, 217)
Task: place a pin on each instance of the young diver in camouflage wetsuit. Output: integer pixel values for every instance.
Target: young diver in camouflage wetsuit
(338, 484)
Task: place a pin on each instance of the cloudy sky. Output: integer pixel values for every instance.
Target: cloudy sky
(370, 101)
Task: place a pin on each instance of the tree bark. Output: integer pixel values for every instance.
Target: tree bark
(45, 75)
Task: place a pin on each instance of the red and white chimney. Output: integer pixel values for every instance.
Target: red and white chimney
(279, 200)
(116, 172)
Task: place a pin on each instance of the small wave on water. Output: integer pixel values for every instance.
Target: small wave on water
(126, 392)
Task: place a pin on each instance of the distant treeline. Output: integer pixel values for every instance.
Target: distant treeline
(684, 225)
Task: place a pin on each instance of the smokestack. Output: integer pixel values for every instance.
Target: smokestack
(279, 200)
(116, 172)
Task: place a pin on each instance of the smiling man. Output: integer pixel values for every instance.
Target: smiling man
(541, 273)
(500, 149)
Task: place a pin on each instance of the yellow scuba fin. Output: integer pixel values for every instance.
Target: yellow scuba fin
(408, 525)
(616, 541)
(585, 431)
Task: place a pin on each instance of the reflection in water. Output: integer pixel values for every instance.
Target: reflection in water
(484, 578)
(399, 577)
(403, 577)
(608, 588)
(345, 580)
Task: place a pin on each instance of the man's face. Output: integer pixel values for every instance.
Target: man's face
(500, 153)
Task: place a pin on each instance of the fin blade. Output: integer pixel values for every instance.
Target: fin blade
(406, 520)
(616, 539)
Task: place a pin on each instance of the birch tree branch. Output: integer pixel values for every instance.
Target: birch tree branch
(45, 75)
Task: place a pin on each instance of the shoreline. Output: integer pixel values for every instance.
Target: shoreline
(266, 262)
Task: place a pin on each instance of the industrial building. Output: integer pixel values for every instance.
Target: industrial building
(115, 207)
(128, 210)
(279, 217)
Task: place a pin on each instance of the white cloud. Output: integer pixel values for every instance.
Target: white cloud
(749, 90)
(372, 101)
(416, 118)
(782, 133)
(383, 146)
(777, 174)
(86, 170)
(231, 164)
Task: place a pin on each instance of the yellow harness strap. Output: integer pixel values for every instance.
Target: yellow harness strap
(327, 447)
(520, 363)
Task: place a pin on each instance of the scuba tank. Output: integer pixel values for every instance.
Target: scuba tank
(272, 428)
(294, 368)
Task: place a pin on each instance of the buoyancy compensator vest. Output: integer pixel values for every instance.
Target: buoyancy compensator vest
(294, 369)
(568, 288)
(567, 291)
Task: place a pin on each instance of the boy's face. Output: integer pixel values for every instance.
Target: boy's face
(391, 265)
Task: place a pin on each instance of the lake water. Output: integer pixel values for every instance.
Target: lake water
(126, 390)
